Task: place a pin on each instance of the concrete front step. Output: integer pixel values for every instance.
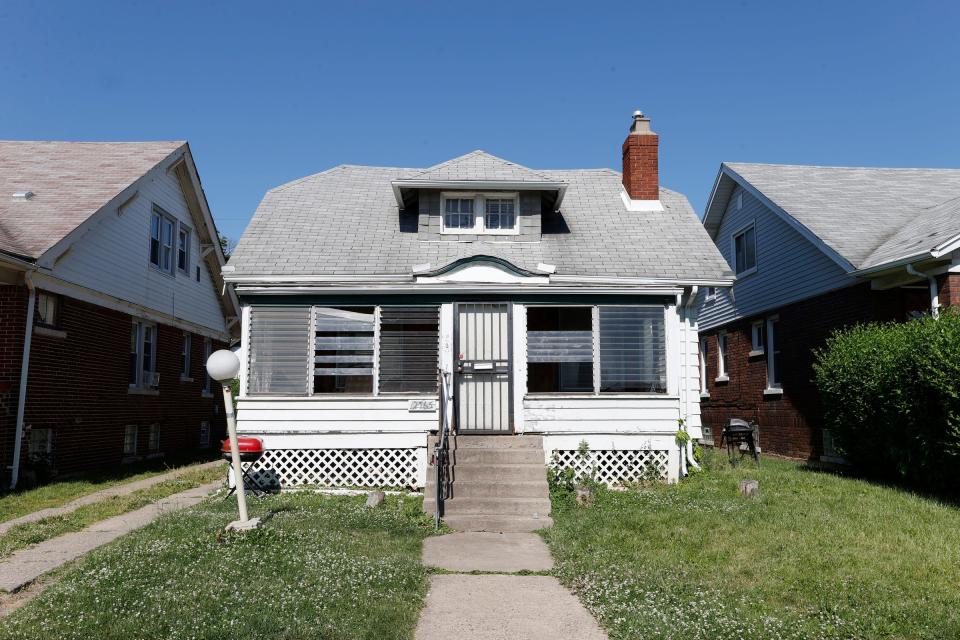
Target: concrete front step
(498, 473)
(496, 523)
(497, 456)
(533, 507)
(469, 489)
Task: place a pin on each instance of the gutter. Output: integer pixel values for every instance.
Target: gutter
(934, 292)
(24, 369)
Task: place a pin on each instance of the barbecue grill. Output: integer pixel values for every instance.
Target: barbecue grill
(740, 432)
(251, 450)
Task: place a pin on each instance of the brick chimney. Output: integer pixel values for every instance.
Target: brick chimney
(641, 176)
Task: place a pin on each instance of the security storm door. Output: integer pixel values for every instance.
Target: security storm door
(483, 341)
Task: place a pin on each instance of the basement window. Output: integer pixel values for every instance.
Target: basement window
(559, 349)
(343, 349)
(409, 349)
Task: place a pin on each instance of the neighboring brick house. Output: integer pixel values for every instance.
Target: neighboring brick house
(815, 249)
(109, 254)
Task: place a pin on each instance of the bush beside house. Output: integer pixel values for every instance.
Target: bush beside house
(891, 398)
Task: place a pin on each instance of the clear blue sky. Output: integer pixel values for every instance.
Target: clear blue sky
(271, 91)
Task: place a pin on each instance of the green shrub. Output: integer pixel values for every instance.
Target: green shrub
(891, 398)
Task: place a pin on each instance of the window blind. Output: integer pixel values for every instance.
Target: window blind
(279, 350)
(409, 349)
(632, 349)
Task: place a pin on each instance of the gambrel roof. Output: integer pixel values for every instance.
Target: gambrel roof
(346, 221)
(70, 181)
(864, 218)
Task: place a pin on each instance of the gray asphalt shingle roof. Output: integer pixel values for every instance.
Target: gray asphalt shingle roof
(480, 166)
(346, 221)
(868, 215)
(70, 181)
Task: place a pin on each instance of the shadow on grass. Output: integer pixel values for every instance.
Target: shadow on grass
(846, 471)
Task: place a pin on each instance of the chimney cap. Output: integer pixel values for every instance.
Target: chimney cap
(640, 125)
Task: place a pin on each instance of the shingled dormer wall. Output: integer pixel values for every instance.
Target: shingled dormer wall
(430, 222)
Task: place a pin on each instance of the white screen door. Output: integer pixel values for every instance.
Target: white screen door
(483, 368)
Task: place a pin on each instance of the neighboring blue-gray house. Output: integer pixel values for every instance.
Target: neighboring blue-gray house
(814, 249)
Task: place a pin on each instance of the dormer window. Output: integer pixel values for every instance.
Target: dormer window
(499, 213)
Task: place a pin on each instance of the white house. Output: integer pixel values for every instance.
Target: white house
(558, 304)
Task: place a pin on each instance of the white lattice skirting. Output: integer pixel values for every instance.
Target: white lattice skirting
(368, 468)
(613, 467)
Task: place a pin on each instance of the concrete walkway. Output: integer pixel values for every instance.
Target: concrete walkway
(26, 565)
(501, 605)
(118, 490)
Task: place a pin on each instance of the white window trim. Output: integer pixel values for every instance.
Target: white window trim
(181, 227)
(756, 347)
(722, 374)
(772, 388)
(702, 357)
(139, 385)
(733, 249)
(174, 236)
(480, 213)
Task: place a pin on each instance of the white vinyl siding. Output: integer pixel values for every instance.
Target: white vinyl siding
(791, 267)
(114, 258)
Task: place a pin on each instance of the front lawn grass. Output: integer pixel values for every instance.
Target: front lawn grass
(23, 535)
(816, 556)
(60, 492)
(320, 567)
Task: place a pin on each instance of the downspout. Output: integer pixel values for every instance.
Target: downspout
(934, 292)
(24, 369)
(686, 364)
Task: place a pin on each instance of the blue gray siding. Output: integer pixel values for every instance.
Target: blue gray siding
(789, 267)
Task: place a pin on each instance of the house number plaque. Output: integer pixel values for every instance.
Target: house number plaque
(422, 406)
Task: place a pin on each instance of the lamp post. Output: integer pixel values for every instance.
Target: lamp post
(223, 367)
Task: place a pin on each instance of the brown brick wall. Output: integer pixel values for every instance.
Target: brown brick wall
(78, 387)
(13, 309)
(949, 285)
(790, 424)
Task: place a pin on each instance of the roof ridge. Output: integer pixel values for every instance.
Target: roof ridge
(818, 166)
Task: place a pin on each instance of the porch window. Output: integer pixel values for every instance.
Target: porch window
(409, 349)
(632, 349)
(279, 349)
(343, 349)
(559, 349)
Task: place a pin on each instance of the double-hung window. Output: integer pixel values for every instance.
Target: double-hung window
(48, 310)
(185, 346)
(773, 355)
(757, 340)
(745, 250)
(480, 213)
(704, 355)
(183, 249)
(722, 371)
(143, 355)
(162, 227)
(604, 349)
(207, 351)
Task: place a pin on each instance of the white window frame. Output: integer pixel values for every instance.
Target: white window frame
(722, 374)
(130, 435)
(480, 212)
(704, 389)
(163, 216)
(733, 249)
(773, 388)
(141, 383)
(757, 338)
(711, 294)
(181, 229)
(186, 345)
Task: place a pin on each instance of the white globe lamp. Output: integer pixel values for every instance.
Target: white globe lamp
(223, 366)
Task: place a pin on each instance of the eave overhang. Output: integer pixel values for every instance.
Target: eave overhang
(402, 186)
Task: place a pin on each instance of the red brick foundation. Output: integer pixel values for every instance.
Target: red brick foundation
(78, 387)
(790, 423)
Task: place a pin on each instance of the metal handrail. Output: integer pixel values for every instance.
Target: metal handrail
(441, 453)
